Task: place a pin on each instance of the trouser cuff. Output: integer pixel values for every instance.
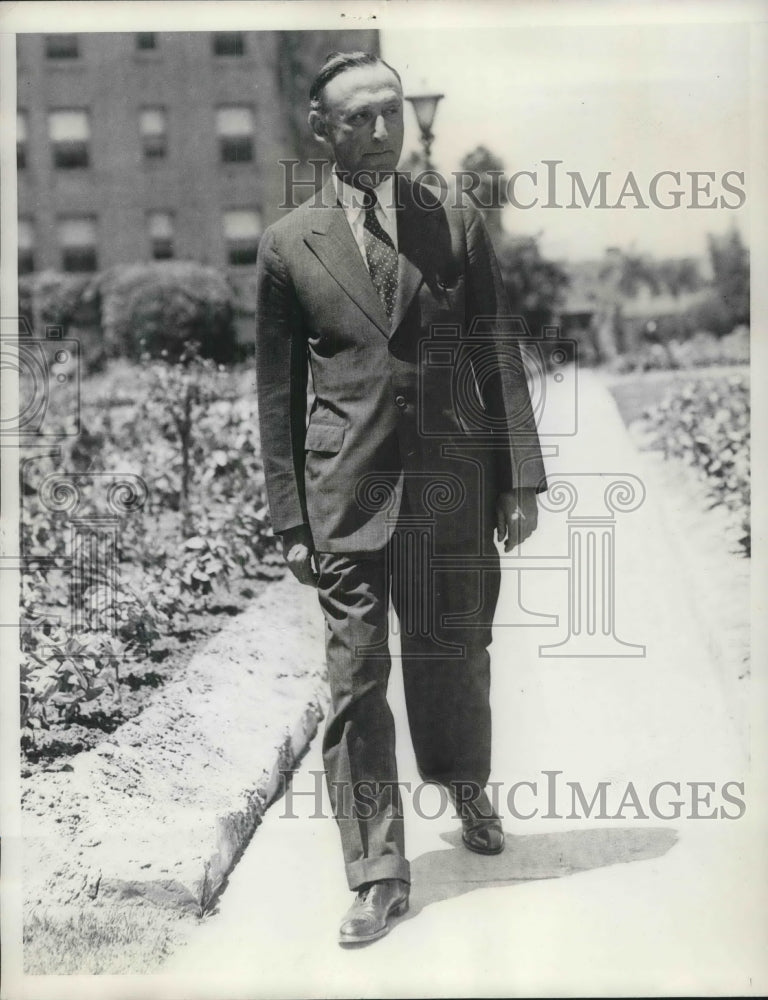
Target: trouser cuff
(375, 869)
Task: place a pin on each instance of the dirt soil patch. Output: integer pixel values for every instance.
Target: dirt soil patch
(155, 816)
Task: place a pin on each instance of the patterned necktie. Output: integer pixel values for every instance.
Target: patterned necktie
(381, 256)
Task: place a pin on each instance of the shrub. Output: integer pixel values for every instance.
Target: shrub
(712, 314)
(49, 298)
(134, 309)
(705, 349)
(69, 301)
(701, 350)
(159, 307)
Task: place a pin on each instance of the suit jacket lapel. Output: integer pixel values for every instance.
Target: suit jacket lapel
(415, 237)
(331, 240)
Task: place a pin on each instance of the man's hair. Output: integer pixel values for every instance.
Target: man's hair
(339, 62)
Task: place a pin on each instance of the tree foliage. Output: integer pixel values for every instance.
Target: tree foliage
(730, 268)
(633, 271)
(490, 190)
(535, 286)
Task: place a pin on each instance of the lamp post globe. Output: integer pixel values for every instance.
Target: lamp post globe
(425, 108)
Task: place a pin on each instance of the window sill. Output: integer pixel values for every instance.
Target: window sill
(244, 60)
(68, 65)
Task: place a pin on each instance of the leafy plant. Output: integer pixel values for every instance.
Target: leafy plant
(60, 672)
(705, 423)
(177, 396)
(193, 438)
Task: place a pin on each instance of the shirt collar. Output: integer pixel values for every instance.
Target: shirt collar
(352, 198)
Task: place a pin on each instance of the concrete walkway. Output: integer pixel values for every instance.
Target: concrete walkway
(574, 906)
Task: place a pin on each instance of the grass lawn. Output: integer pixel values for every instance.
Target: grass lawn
(98, 940)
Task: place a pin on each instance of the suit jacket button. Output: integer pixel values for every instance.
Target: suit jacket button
(400, 402)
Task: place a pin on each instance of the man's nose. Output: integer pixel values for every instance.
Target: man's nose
(379, 128)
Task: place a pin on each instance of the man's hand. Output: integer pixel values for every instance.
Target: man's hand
(298, 551)
(517, 514)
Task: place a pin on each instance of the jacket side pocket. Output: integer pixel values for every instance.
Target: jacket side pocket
(326, 438)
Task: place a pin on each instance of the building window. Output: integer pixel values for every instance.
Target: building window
(61, 47)
(228, 43)
(146, 41)
(77, 239)
(26, 245)
(21, 139)
(160, 226)
(242, 228)
(153, 125)
(70, 133)
(234, 126)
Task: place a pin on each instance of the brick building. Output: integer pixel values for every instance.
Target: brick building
(140, 146)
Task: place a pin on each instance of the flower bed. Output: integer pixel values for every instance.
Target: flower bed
(705, 424)
(199, 548)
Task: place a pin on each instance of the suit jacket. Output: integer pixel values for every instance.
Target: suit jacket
(433, 404)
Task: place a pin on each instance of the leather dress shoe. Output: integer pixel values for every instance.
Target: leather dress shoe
(368, 917)
(481, 829)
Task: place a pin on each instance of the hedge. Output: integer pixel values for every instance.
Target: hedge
(134, 309)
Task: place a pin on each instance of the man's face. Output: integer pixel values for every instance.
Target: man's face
(362, 122)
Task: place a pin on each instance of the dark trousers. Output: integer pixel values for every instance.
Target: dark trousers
(445, 614)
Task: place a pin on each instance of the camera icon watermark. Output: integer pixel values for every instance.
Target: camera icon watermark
(48, 370)
(478, 373)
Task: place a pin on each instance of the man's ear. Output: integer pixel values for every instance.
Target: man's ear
(318, 125)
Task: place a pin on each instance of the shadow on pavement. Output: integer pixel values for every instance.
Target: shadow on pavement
(440, 875)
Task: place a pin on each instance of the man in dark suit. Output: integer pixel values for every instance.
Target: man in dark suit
(420, 441)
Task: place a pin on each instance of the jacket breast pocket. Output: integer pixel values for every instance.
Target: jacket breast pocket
(324, 438)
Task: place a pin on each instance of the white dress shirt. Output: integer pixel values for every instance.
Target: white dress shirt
(352, 201)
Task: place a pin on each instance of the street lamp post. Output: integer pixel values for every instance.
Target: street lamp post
(425, 106)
